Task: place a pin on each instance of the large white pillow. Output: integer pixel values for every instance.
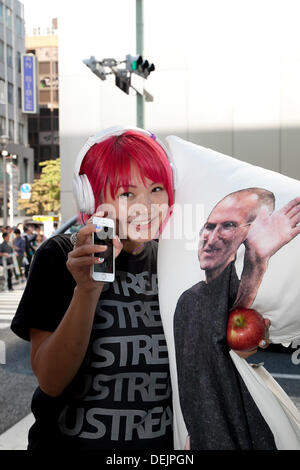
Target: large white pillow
(204, 177)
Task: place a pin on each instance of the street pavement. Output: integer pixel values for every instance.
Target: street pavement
(16, 378)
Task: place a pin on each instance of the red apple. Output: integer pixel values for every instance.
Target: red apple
(245, 329)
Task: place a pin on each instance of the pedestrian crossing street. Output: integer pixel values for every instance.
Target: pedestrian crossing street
(8, 305)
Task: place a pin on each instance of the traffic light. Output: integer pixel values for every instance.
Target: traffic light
(95, 67)
(136, 64)
(133, 62)
(122, 80)
(145, 68)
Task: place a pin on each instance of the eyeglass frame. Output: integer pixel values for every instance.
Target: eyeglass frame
(222, 228)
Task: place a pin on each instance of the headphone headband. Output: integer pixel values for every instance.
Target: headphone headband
(100, 137)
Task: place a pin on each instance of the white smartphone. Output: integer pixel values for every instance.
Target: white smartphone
(104, 271)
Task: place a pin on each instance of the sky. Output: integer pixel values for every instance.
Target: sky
(39, 13)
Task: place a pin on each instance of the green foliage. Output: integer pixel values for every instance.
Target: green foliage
(45, 191)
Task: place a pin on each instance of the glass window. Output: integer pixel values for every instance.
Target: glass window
(11, 129)
(44, 96)
(32, 124)
(19, 27)
(10, 93)
(2, 91)
(45, 124)
(44, 67)
(8, 17)
(45, 112)
(1, 11)
(2, 52)
(21, 133)
(45, 152)
(9, 55)
(18, 62)
(20, 98)
(25, 170)
(33, 138)
(2, 125)
(37, 168)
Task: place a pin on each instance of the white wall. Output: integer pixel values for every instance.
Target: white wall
(227, 76)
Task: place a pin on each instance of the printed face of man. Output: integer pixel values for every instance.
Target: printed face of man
(224, 231)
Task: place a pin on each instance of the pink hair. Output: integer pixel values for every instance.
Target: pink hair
(107, 164)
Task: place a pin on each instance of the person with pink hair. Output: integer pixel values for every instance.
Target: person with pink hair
(98, 349)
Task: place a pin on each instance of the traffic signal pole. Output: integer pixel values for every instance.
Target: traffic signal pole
(139, 51)
(133, 65)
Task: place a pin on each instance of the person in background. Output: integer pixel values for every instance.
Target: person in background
(38, 231)
(11, 236)
(9, 230)
(19, 245)
(6, 252)
(20, 226)
(29, 250)
(40, 238)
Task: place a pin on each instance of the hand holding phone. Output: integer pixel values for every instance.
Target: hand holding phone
(105, 232)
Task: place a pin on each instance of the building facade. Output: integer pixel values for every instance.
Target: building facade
(43, 128)
(13, 123)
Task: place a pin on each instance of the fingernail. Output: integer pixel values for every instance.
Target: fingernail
(263, 343)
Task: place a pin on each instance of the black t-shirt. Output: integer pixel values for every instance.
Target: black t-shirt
(121, 396)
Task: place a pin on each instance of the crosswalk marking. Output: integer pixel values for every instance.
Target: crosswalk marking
(7, 317)
(286, 376)
(9, 302)
(8, 310)
(5, 310)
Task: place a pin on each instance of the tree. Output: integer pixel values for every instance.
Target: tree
(45, 191)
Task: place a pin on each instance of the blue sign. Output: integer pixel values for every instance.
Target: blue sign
(29, 84)
(25, 191)
(25, 188)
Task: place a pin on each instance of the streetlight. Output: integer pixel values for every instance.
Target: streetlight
(4, 139)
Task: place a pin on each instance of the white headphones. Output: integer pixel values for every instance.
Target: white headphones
(82, 189)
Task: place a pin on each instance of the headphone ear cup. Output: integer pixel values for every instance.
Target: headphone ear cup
(83, 194)
(89, 200)
(78, 192)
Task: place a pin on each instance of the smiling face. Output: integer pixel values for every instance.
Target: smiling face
(225, 230)
(139, 209)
